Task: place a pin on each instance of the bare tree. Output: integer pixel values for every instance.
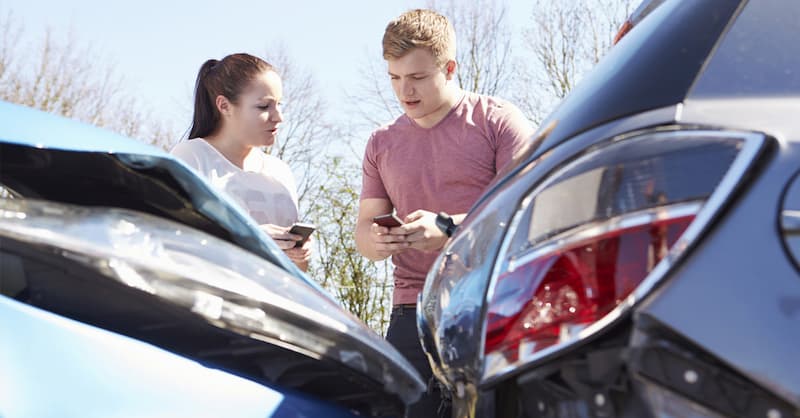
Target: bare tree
(483, 44)
(363, 287)
(306, 132)
(9, 37)
(67, 78)
(565, 40)
(372, 99)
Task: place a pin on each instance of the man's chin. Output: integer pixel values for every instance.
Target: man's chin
(415, 113)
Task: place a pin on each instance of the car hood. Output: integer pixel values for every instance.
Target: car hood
(57, 159)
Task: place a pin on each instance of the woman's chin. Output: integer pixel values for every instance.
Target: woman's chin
(268, 142)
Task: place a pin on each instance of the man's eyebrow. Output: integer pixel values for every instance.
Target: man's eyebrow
(409, 74)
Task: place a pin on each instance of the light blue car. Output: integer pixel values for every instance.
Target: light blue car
(130, 288)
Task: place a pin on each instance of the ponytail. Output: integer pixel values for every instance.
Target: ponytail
(206, 115)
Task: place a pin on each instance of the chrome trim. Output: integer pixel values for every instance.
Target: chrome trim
(790, 221)
(752, 144)
(585, 232)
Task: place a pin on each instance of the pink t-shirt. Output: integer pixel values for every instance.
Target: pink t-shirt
(443, 168)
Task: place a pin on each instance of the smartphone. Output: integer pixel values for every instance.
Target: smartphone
(302, 229)
(388, 220)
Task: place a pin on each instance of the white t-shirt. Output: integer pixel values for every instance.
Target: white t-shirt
(265, 188)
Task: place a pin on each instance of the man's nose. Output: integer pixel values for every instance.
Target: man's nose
(408, 88)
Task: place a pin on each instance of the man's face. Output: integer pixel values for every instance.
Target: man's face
(420, 86)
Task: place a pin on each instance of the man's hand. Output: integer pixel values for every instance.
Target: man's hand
(421, 231)
(388, 241)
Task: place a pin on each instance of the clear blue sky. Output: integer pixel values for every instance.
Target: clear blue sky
(159, 45)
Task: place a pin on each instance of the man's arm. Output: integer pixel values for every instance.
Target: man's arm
(373, 241)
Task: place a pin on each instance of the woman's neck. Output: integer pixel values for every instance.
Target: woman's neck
(232, 150)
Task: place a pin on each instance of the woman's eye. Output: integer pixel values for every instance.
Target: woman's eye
(263, 107)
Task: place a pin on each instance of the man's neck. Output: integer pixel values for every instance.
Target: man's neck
(430, 120)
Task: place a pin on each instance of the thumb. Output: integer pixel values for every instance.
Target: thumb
(413, 216)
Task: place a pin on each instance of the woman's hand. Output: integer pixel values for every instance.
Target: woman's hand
(281, 235)
(300, 256)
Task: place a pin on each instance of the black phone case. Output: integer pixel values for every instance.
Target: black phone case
(304, 230)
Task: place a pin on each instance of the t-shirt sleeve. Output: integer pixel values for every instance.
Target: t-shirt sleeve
(372, 186)
(513, 130)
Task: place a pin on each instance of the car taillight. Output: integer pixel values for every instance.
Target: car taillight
(595, 236)
(645, 8)
(575, 285)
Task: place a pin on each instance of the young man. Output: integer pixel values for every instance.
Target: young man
(438, 156)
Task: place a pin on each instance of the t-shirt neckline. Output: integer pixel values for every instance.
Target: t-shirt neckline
(447, 116)
(224, 158)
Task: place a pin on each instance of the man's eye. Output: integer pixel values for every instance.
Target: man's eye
(263, 107)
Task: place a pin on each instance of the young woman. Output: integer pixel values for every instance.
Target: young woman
(236, 112)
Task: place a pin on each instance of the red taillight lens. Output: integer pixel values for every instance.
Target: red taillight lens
(553, 293)
(585, 242)
(623, 30)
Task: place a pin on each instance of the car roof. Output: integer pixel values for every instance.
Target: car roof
(758, 57)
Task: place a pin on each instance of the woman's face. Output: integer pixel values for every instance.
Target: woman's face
(256, 115)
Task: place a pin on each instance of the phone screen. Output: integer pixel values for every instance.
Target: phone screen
(388, 220)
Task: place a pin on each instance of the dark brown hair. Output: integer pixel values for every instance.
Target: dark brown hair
(228, 78)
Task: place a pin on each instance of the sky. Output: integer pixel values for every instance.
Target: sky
(158, 46)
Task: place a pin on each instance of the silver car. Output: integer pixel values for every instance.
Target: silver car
(640, 258)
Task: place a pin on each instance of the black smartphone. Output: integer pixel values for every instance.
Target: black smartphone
(388, 220)
(302, 229)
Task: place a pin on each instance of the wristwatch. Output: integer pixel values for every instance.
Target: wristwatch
(446, 224)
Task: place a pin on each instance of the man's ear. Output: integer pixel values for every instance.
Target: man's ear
(223, 105)
(450, 69)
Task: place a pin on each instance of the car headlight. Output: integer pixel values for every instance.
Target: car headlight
(597, 234)
(225, 285)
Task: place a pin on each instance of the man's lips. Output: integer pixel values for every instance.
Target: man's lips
(411, 102)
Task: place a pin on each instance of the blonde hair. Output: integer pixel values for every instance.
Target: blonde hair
(420, 28)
